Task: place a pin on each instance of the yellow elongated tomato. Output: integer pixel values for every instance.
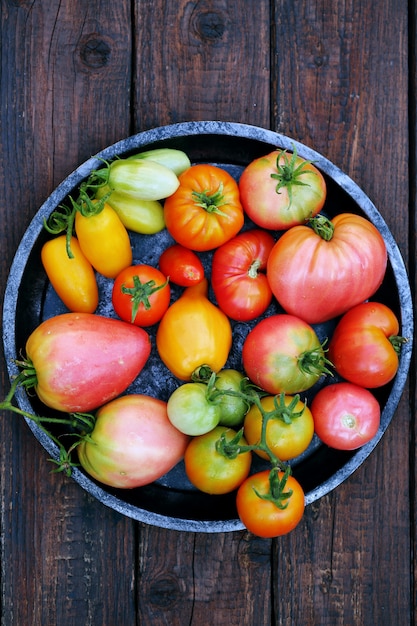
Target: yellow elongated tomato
(104, 240)
(194, 332)
(73, 279)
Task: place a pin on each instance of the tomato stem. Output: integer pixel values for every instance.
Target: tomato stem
(288, 175)
(141, 292)
(397, 342)
(315, 362)
(322, 226)
(210, 202)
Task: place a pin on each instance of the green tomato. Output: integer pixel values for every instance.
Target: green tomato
(175, 160)
(190, 410)
(233, 409)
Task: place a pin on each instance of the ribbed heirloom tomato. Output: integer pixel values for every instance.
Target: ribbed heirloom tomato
(205, 211)
(319, 272)
(238, 275)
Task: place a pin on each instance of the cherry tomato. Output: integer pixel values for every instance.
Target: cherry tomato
(282, 353)
(72, 278)
(191, 410)
(141, 295)
(365, 345)
(182, 265)
(263, 517)
(237, 277)
(288, 433)
(209, 469)
(346, 416)
(205, 211)
(233, 408)
(319, 273)
(280, 190)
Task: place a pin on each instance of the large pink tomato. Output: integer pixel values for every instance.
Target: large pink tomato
(78, 361)
(319, 273)
(281, 189)
(133, 443)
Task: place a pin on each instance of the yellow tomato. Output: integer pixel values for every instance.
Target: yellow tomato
(104, 240)
(73, 279)
(194, 332)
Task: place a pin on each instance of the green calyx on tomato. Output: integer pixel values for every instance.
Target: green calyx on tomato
(314, 362)
(277, 484)
(322, 226)
(210, 202)
(140, 293)
(288, 174)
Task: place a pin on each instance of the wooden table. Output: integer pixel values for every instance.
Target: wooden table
(77, 76)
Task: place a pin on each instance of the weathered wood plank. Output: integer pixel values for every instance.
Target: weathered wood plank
(65, 80)
(335, 92)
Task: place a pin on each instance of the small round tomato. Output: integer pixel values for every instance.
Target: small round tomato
(182, 265)
(212, 471)
(141, 295)
(233, 408)
(191, 410)
(237, 275)
(205, 211)
(281, 189)
(365, 345)
(346, 416)
(289, 430)
(282, 354)
(266, 518)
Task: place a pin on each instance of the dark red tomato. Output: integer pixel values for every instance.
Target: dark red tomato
(263, 517)
(346, 416)
(237, 276)
(280, 190)
(211, 471)
(141, 295)
(365, 345)
(182, 265)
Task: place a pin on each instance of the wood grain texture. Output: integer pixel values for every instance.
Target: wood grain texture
(76, 77)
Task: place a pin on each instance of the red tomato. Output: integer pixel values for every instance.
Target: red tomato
(288, 432)
(205, 211)
(82, 360)
(365, 345)
(346, 416)
(240, 286)
(319, 273)
(141, 295)
(263, 517)
(211, 471)
(281, 189)
(133, 443)
(182, 265)
(282, 354)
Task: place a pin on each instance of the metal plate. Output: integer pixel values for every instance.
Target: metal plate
(172, 502)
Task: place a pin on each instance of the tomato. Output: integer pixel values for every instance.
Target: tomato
(289, 430)
(175, 160)
(78, 361)
(282, 353)
(319, 273)
(193, 332)
(209, 469)
(72, 278)
(182, 265)
(142, 178)
(280, 190)
(133, 443)
(140, 216)
(191, 410)
(237, 277)
(103, 238)
(205, 211)
(141, 295)
(346, 416)
(365, 345)
(266, 518)
(233, 408)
